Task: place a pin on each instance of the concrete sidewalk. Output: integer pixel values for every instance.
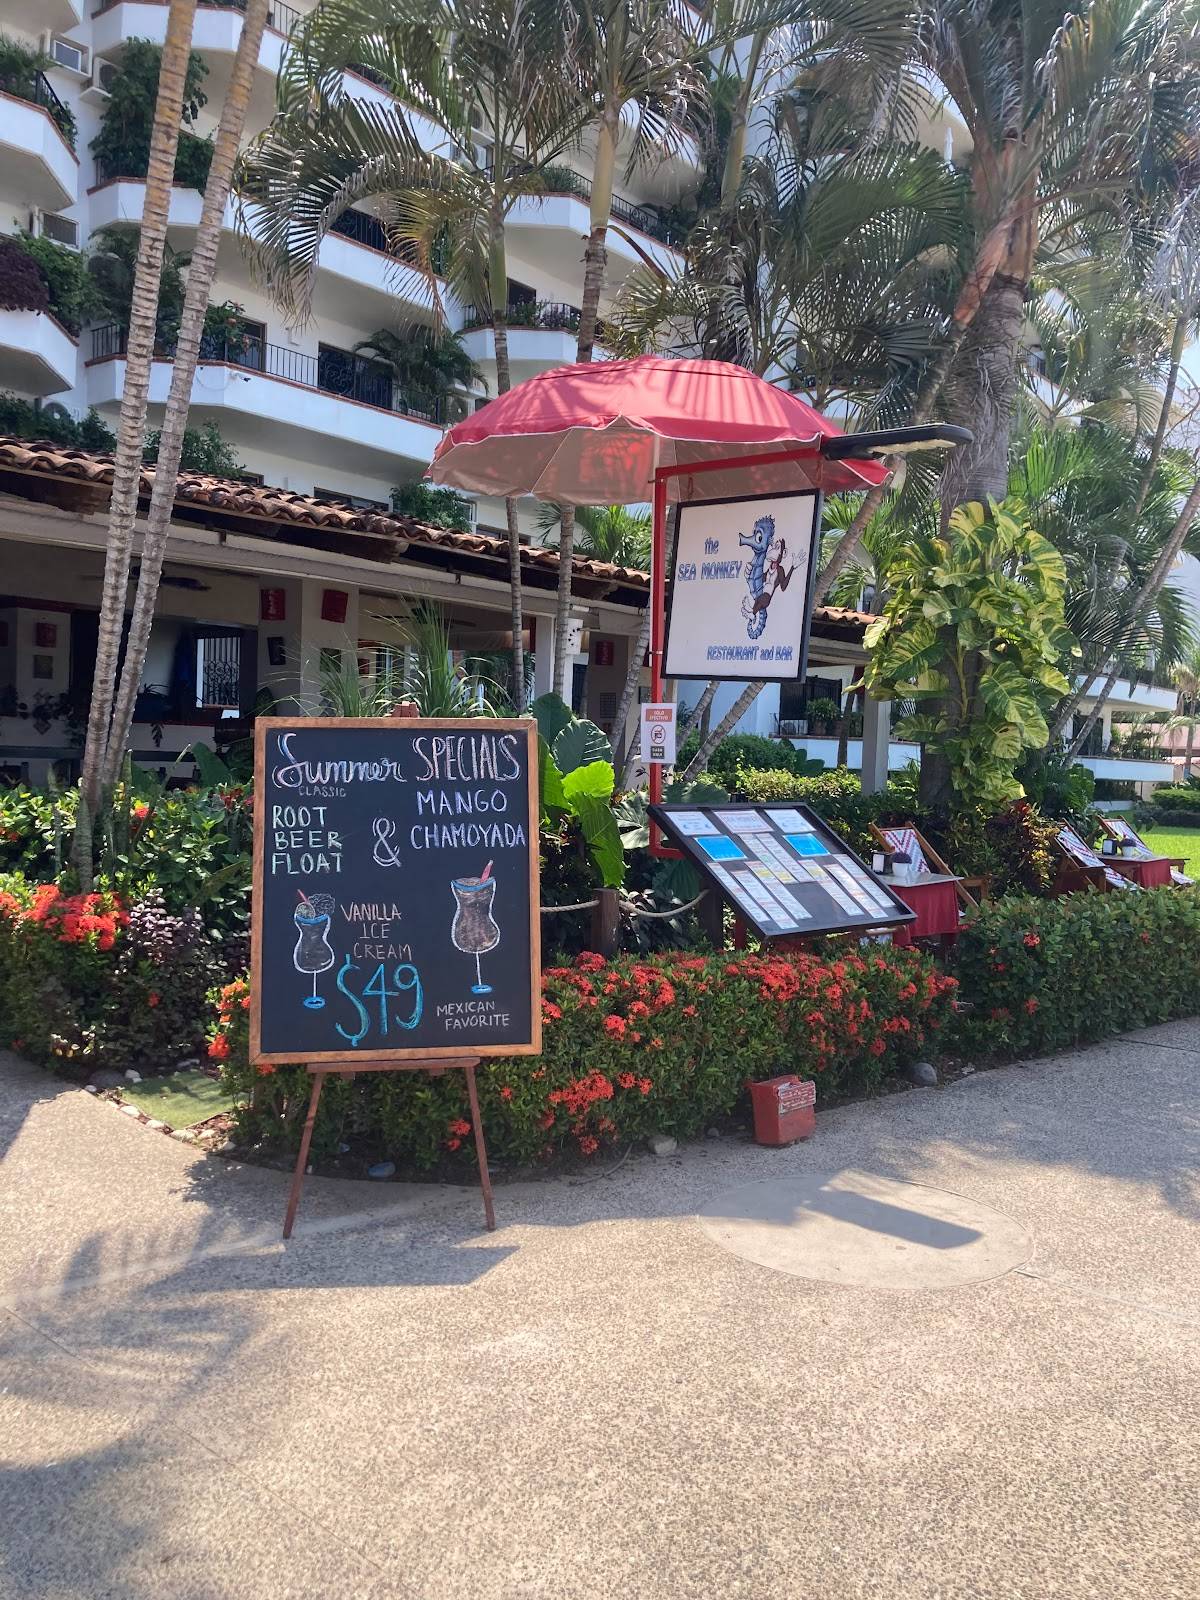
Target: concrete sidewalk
(597, 1400)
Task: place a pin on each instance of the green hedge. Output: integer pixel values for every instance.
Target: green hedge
(630, 1048)
(1044, 974)
(837, 797)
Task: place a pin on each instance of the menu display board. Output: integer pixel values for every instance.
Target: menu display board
(395, 889)
(781, 868)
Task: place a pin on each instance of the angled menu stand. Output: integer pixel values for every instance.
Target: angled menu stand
(785, 872)
(395, 920)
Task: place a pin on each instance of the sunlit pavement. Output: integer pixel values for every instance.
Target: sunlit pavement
(602, 1398)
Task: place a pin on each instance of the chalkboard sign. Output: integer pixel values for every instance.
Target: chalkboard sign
(395, 889)
(782, 868)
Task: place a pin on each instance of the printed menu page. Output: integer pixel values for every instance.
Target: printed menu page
(783, 869)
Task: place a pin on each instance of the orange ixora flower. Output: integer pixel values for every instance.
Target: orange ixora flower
(460, 1127)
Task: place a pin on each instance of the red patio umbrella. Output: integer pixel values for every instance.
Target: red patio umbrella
(595, 433)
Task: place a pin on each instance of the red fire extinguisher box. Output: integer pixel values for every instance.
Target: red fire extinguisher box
(784, 1110)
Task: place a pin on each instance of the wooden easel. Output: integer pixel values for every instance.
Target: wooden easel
(321, 1071)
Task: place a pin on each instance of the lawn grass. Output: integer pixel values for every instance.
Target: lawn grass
(1175, 842)
(180, 1100)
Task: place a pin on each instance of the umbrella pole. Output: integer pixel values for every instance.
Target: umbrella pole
(658, 607)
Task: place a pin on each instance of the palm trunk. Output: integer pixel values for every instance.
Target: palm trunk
(985, 392)
(595, 263)
(595, 256)
(739, 707)
(201, 272)
(516, 612)
(139, 356)
(1151, 589)
(1066, 711)
(633, 672)
(695, 717)
(927, 398)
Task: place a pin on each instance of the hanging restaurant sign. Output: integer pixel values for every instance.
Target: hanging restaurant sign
(741, 591)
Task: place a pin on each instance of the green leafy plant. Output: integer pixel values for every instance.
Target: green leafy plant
(425, 502)
(71, 289)
(576, 777)
(205, 449)
(111, 266)
(25, 420)
(1045, 974)
(974, 629)
(748, 752)
(122, 146)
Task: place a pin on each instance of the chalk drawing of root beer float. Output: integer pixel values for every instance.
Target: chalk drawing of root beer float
(474, 930)
(313, 953)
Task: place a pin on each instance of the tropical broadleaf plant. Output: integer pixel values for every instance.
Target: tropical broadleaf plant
(576, 780)
(975, 633)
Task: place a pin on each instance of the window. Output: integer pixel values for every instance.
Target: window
(357, 502)
(219, 670)
(520, 294)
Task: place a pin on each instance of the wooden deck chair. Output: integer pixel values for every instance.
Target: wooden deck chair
(1082, 868)
(1117, 828)
(912, 842)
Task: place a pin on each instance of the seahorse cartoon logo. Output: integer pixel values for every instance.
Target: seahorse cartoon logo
(765, 575)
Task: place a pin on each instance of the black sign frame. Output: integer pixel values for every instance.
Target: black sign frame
(402, 729)
(835, 846)
(744, 672)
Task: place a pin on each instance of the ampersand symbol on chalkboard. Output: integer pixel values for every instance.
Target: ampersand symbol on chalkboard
(383, 855)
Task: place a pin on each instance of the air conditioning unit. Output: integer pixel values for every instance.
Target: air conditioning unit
(104, 75)
(49, 225)
(65, 53)
(458, 408)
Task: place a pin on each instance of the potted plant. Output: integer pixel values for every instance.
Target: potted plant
(822, 715)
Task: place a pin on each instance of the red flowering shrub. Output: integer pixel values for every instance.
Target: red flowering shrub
(1044, 974)
(86, 977)
(630, 1047)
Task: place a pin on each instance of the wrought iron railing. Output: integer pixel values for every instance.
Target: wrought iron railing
(368, 230)
(561, 180)
(282, 18)
(37, 90)
(330, 371)
(552, 316)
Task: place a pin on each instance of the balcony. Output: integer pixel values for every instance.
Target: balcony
(37, 134)
(354, 266)
(215, 34)
(541, 334)
(37, 355)
(353, 413)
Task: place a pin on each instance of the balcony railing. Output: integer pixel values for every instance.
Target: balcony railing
(550, 316)
(332, 371)
(561, 180)
(280, 17)
(368, 230)
(36, 89)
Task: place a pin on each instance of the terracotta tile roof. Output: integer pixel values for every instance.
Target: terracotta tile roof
(381, 532)
(280, 506)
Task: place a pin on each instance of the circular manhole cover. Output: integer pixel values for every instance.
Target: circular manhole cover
(865, 1231)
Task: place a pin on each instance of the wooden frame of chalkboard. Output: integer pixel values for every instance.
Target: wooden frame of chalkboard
(402, 730)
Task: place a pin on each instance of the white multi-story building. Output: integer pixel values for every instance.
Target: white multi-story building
(305, 414)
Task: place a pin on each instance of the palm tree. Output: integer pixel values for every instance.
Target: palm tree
(422, 360)
(1069, 115)
(606, 533)
(201, 272)
(491, 75)
(1186, 676)
(131, 432)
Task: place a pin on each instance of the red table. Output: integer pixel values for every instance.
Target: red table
(935, 901)
(1152, 874)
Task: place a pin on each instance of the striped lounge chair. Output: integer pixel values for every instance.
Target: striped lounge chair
(1117, 828)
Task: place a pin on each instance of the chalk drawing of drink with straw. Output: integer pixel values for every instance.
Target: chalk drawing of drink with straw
(313, 953)
(474, 930)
